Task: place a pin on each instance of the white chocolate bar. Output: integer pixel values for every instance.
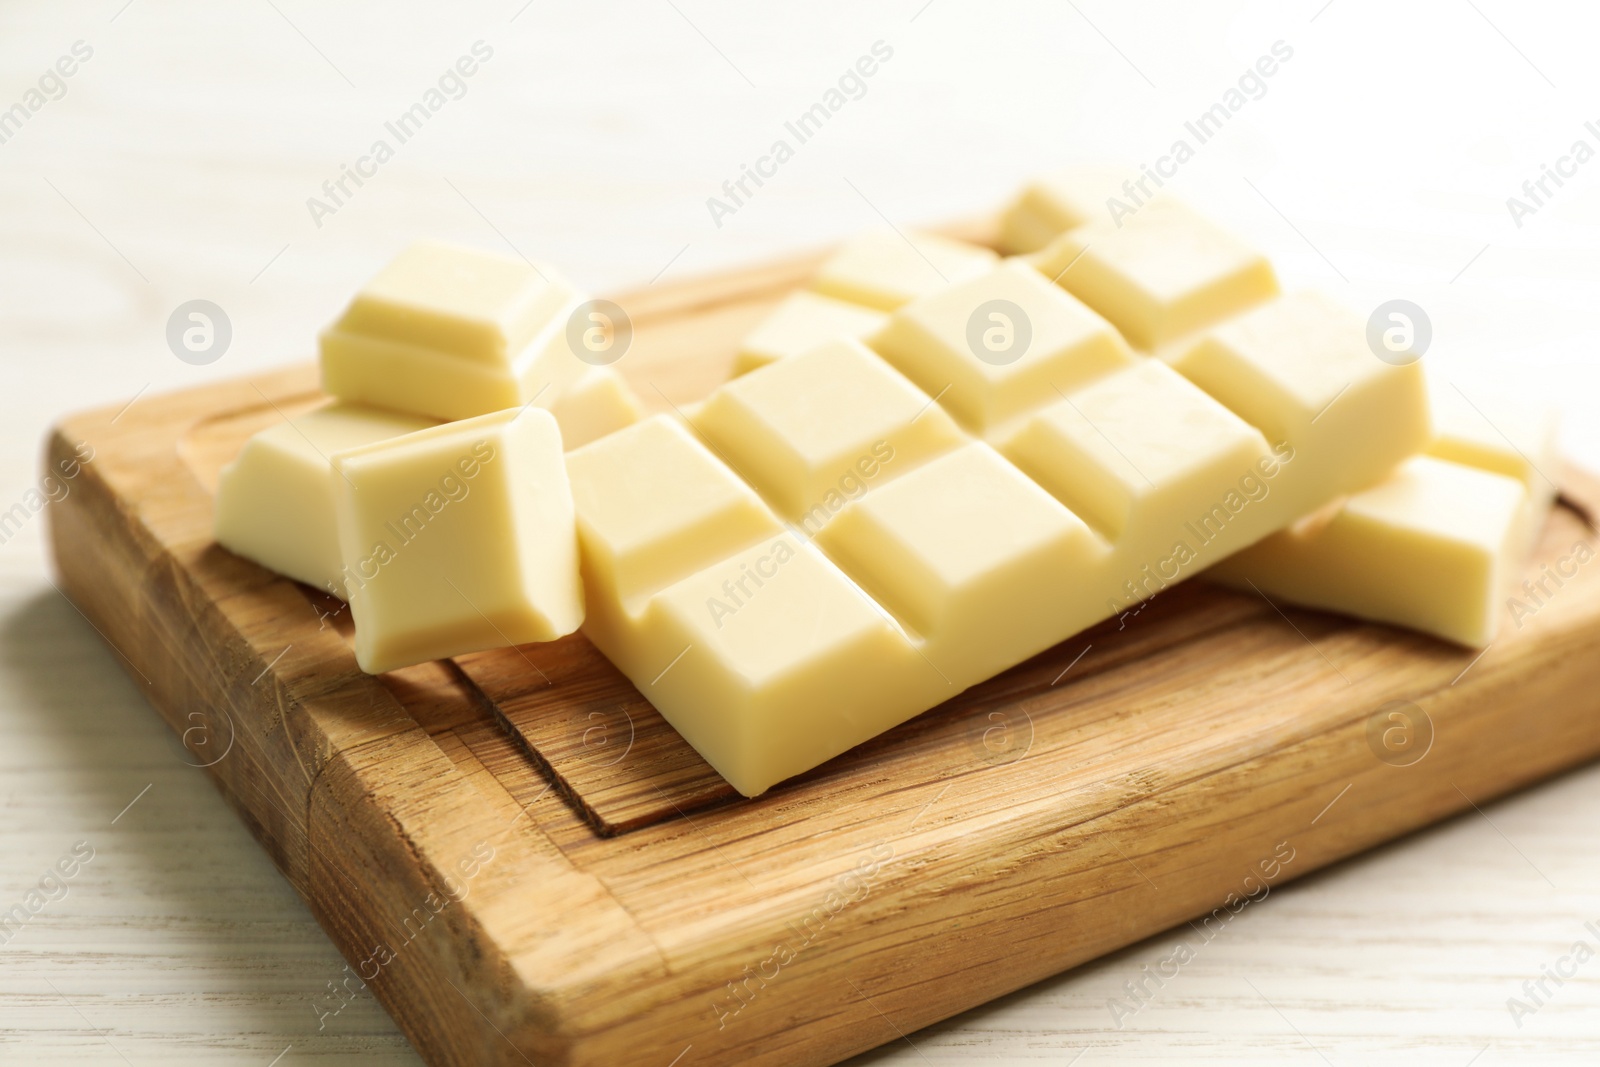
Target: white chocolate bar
(824, 551)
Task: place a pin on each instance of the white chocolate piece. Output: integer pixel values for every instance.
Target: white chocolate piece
(1299, 369)
(1434, 546)
(969, 555)
(654, 506)
(773, 649)
(887, 268)
(463, 301)
(800, 323)
(451, 333)
(1159, 276)
(598, 403)
(1431, 548)
(822, 427)
(275, 500)
(1047, 208)
(1128, 449)
(753, 671)
(458, 538)
(992, 348)
(1495, 434)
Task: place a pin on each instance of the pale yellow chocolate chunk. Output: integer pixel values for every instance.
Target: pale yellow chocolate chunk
(1487, 431)
(597, 403)
(969, 554)
(471, 303)
(1159, 276)
(818, 429)
(1047, 208)
(999, 345)
(1139, 445)
(800, 323)
(458, 538)
(275, 501)
(751, 654)
(654, 505)
(1299, 369)
(451, 333)
(1434, 545)
(1432, 548)
(887, 268)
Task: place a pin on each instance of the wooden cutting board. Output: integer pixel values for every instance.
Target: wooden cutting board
(526, 865)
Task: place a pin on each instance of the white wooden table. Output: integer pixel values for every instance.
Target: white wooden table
(178, 162)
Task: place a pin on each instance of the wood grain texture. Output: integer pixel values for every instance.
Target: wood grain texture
(1009, 835)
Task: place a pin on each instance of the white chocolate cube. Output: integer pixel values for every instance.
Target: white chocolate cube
(800, 323)
(1492, 433)
(1159, 276)
(751, 651)
(458, 538)
(1299, 369)
(823, 427)
(1434, 545)
(654, 506)
(887, 268)
(1137, 446)
(597, 403)
(999, 345)
(1064, 201)
(1432, 548)
(968, 553)
(275, 501)
(451, 333)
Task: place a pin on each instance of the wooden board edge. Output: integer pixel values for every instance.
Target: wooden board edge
(107, 565)
(143, 602)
